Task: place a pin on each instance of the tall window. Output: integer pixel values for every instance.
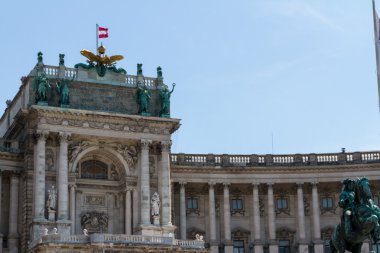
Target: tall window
(192, 203)
(327, 203)
(238, 246)
(237, 204)
(283, 246)
(282, 203)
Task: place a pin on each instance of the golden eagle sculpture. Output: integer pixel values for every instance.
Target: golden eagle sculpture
(101, 61)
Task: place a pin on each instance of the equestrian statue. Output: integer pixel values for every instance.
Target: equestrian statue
(360, 218)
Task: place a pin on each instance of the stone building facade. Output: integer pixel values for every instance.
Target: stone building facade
(96, 173)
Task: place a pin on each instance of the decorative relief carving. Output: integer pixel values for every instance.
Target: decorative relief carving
(261, 207)
(94, 222)
(114, 174)
(129, 153)
(306, 206)
(94, 200)
(152, 165)
(75, 149)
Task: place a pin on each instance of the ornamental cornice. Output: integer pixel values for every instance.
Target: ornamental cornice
(103, 120)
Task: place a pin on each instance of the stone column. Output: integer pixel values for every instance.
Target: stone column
(72, 208)
(182, 210)
(128, 210)
(273, 247)
(302, 247)
(13, 215)
(165, 184)
(1, 235)
(258, 245)
(63, 177)
(318, 243)
(211, 206)
(228, 247)
(39, 174)
(135, 208)
(145, 184)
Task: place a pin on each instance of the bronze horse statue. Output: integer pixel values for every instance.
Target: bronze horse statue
(360, 219)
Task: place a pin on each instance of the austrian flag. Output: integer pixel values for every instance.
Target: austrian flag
(103, 32)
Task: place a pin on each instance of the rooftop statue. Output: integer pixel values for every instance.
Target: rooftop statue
(360, 218)
(64, 92)
(101, 62)
(143, 99)
(41, 86)
(165, 101)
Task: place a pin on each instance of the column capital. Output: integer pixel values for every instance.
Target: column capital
(256, 184)
(211, 184)
(314, 183)
(72, 186)
(182, 183)
(299, 184)
(226, 185)
(270, 184)
(15, 176)
(129, 189)
(64, 136)
(165, 145)
(41, 134)
(145, 144)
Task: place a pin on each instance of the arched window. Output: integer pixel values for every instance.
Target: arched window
(94, 169)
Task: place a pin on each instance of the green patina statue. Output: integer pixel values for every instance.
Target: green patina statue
(165, 101)
(139, 69)
(61, 59)
(39, 58)
(41, 86)
(159, 72)
(143, 99)
(64, 92)
(360, 218)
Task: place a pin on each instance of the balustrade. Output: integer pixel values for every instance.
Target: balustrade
(269, 160)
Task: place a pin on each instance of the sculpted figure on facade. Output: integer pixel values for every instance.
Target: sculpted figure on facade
(155, 205)
(64, 92)
(165, 100)
(41, 86)
(94, 222)
(75, 149)
(143, 98)
(51, 202)
(129, 153)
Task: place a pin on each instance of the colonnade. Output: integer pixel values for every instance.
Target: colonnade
(256, 226)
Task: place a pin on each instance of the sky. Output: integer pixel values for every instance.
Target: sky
(253, 76)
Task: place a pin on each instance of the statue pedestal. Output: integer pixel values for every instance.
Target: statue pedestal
(156, 220)
(165, 115)
(51, 215)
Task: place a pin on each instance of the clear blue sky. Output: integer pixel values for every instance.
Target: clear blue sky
(302, 71)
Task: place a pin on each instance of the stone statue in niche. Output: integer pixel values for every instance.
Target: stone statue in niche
(49, 159)
(51, 203)
(155, 205)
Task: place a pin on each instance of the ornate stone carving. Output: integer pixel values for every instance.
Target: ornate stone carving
(306, 206)
(94, 222)
(129, 153)
(165, 145)
(152, 165)
(114, 174)
(74, 150)
(261, 207)
(64, 137)
(94, 200)
(145, 144)
(41, 135)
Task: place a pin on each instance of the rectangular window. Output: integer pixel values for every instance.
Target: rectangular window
(237, 204)
(327, 203)
(192, 203)
(282, 203)
(238, 246)
(283, 246)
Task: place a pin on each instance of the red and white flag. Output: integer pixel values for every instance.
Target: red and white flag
(102, 32)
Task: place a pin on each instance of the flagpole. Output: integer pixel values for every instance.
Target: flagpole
(376, 33)
(97, 37)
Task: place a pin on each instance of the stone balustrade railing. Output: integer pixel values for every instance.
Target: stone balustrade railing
(70, 73)
(275, 160)
(116, 239)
